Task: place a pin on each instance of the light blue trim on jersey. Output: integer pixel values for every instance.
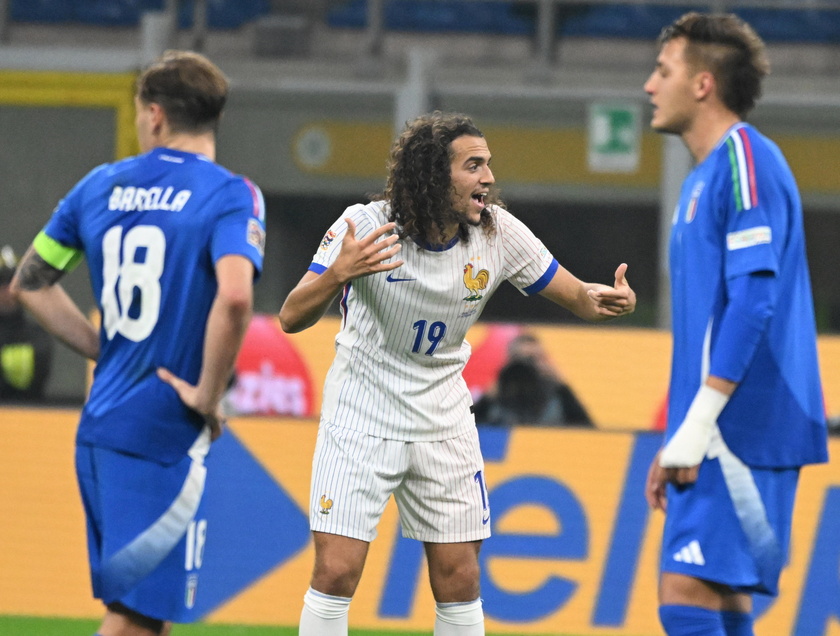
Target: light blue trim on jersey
(751, 512)
(317, 268)
(544, 280)
(147, 551)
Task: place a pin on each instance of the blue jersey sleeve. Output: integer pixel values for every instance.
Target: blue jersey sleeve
(64, 224)
(744, 323)
(241, 227)
(754, 204)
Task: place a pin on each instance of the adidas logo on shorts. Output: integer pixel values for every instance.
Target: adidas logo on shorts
(690, 554)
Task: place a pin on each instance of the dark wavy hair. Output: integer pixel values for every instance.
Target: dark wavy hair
(419, 187)
(190, 89)
(729, 48)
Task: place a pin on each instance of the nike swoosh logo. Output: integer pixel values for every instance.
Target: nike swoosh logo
(391, 279)
(485, 519)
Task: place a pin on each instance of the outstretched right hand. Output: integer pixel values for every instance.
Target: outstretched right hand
(368, 255)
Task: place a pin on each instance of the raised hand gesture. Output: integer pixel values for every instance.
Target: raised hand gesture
(360, 257)
(617, 300)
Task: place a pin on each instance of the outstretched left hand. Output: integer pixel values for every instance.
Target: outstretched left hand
(618, 300)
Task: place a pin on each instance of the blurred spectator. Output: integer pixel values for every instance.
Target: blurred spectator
(833, 423)
(529, 390)
(26, 350)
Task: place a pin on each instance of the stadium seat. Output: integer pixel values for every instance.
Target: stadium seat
(221, 14)
(620, 20)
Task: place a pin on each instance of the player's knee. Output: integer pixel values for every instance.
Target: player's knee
(455, 582)
(336, 577)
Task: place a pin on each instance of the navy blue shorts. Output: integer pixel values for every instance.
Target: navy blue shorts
(144, 528)
(733, 525)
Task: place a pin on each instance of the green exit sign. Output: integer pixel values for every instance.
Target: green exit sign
(614, 137)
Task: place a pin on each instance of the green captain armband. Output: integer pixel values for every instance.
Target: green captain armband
(55, 254)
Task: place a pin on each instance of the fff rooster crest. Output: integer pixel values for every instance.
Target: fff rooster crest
(326, 504)
(475, 282)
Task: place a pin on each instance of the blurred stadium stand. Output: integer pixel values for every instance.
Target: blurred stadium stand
(793, 21)
(225, 14)
(790, 20)
(317, 85)
(367, 38)
(336, 29)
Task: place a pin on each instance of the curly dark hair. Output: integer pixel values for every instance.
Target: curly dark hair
(419, 187)
(729, 48)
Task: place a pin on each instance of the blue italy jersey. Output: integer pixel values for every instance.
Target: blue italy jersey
(740, 213)
(152, 228)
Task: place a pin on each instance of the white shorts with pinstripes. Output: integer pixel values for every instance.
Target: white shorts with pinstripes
(438, 486)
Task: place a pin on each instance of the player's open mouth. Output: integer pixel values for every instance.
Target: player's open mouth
(479, 198)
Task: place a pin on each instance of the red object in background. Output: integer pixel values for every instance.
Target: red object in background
(489, 357)
(660, 418)
(272, 378)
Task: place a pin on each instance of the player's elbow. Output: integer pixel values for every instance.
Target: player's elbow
(237, 302)
(15, 289)
(285, 324)
(290, 323)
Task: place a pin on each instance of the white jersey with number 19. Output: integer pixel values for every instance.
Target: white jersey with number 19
(402, 347)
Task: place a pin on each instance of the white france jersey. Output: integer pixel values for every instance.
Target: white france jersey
(402, 348)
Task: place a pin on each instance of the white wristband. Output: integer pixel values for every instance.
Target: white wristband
(689, 444)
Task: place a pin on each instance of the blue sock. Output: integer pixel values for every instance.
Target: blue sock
(687, 620)
(737, 624)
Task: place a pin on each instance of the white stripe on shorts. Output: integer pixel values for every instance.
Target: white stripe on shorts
(749, 507)
(146, 552)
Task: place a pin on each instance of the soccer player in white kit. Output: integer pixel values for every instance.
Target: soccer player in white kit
(414, 269)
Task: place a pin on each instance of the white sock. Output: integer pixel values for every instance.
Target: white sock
(459, 619)
(323, 615)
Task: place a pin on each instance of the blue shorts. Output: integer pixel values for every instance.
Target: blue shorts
(732, 526)
(144, 528)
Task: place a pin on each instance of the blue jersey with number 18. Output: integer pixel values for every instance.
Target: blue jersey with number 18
(152, 228)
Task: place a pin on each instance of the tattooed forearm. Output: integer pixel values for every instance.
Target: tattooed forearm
(34, 273)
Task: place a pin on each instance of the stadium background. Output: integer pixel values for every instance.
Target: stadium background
(316, 94)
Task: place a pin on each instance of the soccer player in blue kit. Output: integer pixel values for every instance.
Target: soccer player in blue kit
(173, 242)
(745, 409)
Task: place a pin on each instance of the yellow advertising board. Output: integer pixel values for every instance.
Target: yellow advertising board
(620, 374)
(574, 546)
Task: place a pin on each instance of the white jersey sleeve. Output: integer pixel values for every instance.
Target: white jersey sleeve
(528, 264)
(366, 222)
